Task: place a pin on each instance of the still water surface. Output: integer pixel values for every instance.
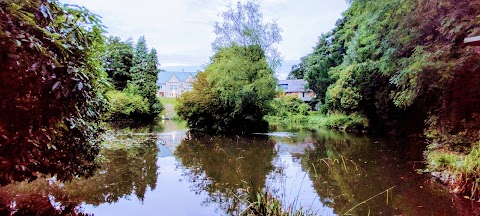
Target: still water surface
(165, 172)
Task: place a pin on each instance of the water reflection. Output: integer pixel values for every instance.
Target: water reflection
(328, 171)
(347, 170)
(36, 198)
(123, 172)
(225, 167)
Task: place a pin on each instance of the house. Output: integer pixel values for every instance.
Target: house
(297, 87)
(174, 84)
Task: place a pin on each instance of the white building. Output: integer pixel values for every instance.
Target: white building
(174, 84)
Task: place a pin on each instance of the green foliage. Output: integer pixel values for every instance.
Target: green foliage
(351, 123)
(125, 105)
(144, 73)
(315, 67)
(118, 61)
(400, 63)
(266, 204)
(51, 95)
(286, 106)
(390, 59)
(243, 25)
(232, 95)
(459, 171)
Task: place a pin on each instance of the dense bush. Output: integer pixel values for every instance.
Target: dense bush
(285, 106)
(132, 70)
(51, 92)
(395, 60)
(124, 105)
(232, 95)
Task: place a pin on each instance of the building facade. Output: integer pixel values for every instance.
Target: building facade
(297, 87)
(174, 84)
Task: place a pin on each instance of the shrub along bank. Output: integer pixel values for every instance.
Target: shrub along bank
(291, 112)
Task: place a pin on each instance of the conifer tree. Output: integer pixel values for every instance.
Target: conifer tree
(144, 74)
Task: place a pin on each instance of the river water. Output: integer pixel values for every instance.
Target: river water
(164, 171)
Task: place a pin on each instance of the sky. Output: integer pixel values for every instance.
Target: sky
(182, 30)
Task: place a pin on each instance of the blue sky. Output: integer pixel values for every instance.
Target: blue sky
(182, 30)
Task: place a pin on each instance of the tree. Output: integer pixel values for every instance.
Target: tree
(51, 97)
(150, 84)
(232, 95)
(326, 55)
(118, 61)
(243, 25)
(298, 70)
(144, 73)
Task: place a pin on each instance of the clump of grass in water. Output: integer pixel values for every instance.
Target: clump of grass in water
(266, 204)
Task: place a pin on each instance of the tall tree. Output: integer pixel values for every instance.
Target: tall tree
(144, 72)
(232, 95)
(243, 25)
(118, 61)
(139, 61)
(150, 83)
(51, 96)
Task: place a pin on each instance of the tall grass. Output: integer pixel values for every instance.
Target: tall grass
(461, 172)
(353, 122)
(265, 204)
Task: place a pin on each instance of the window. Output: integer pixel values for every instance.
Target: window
(284, 86)
(173, 87)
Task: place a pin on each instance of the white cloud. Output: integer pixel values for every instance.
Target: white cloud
(182, 30)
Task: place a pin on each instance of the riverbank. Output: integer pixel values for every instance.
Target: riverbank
(314, 121)
(454, 159)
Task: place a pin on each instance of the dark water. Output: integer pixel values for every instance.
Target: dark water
(164, 172)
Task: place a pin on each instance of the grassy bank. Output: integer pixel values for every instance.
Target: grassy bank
(459, 171)
(453, 157)
(172, 101)
(314, 121)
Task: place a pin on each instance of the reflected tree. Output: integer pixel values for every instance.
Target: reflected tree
(35, 199)
(226, 167)
(347, 170)
(124, 171)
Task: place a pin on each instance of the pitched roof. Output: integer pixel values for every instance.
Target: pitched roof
(296, 85)
(164, 76)
(472, 41)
